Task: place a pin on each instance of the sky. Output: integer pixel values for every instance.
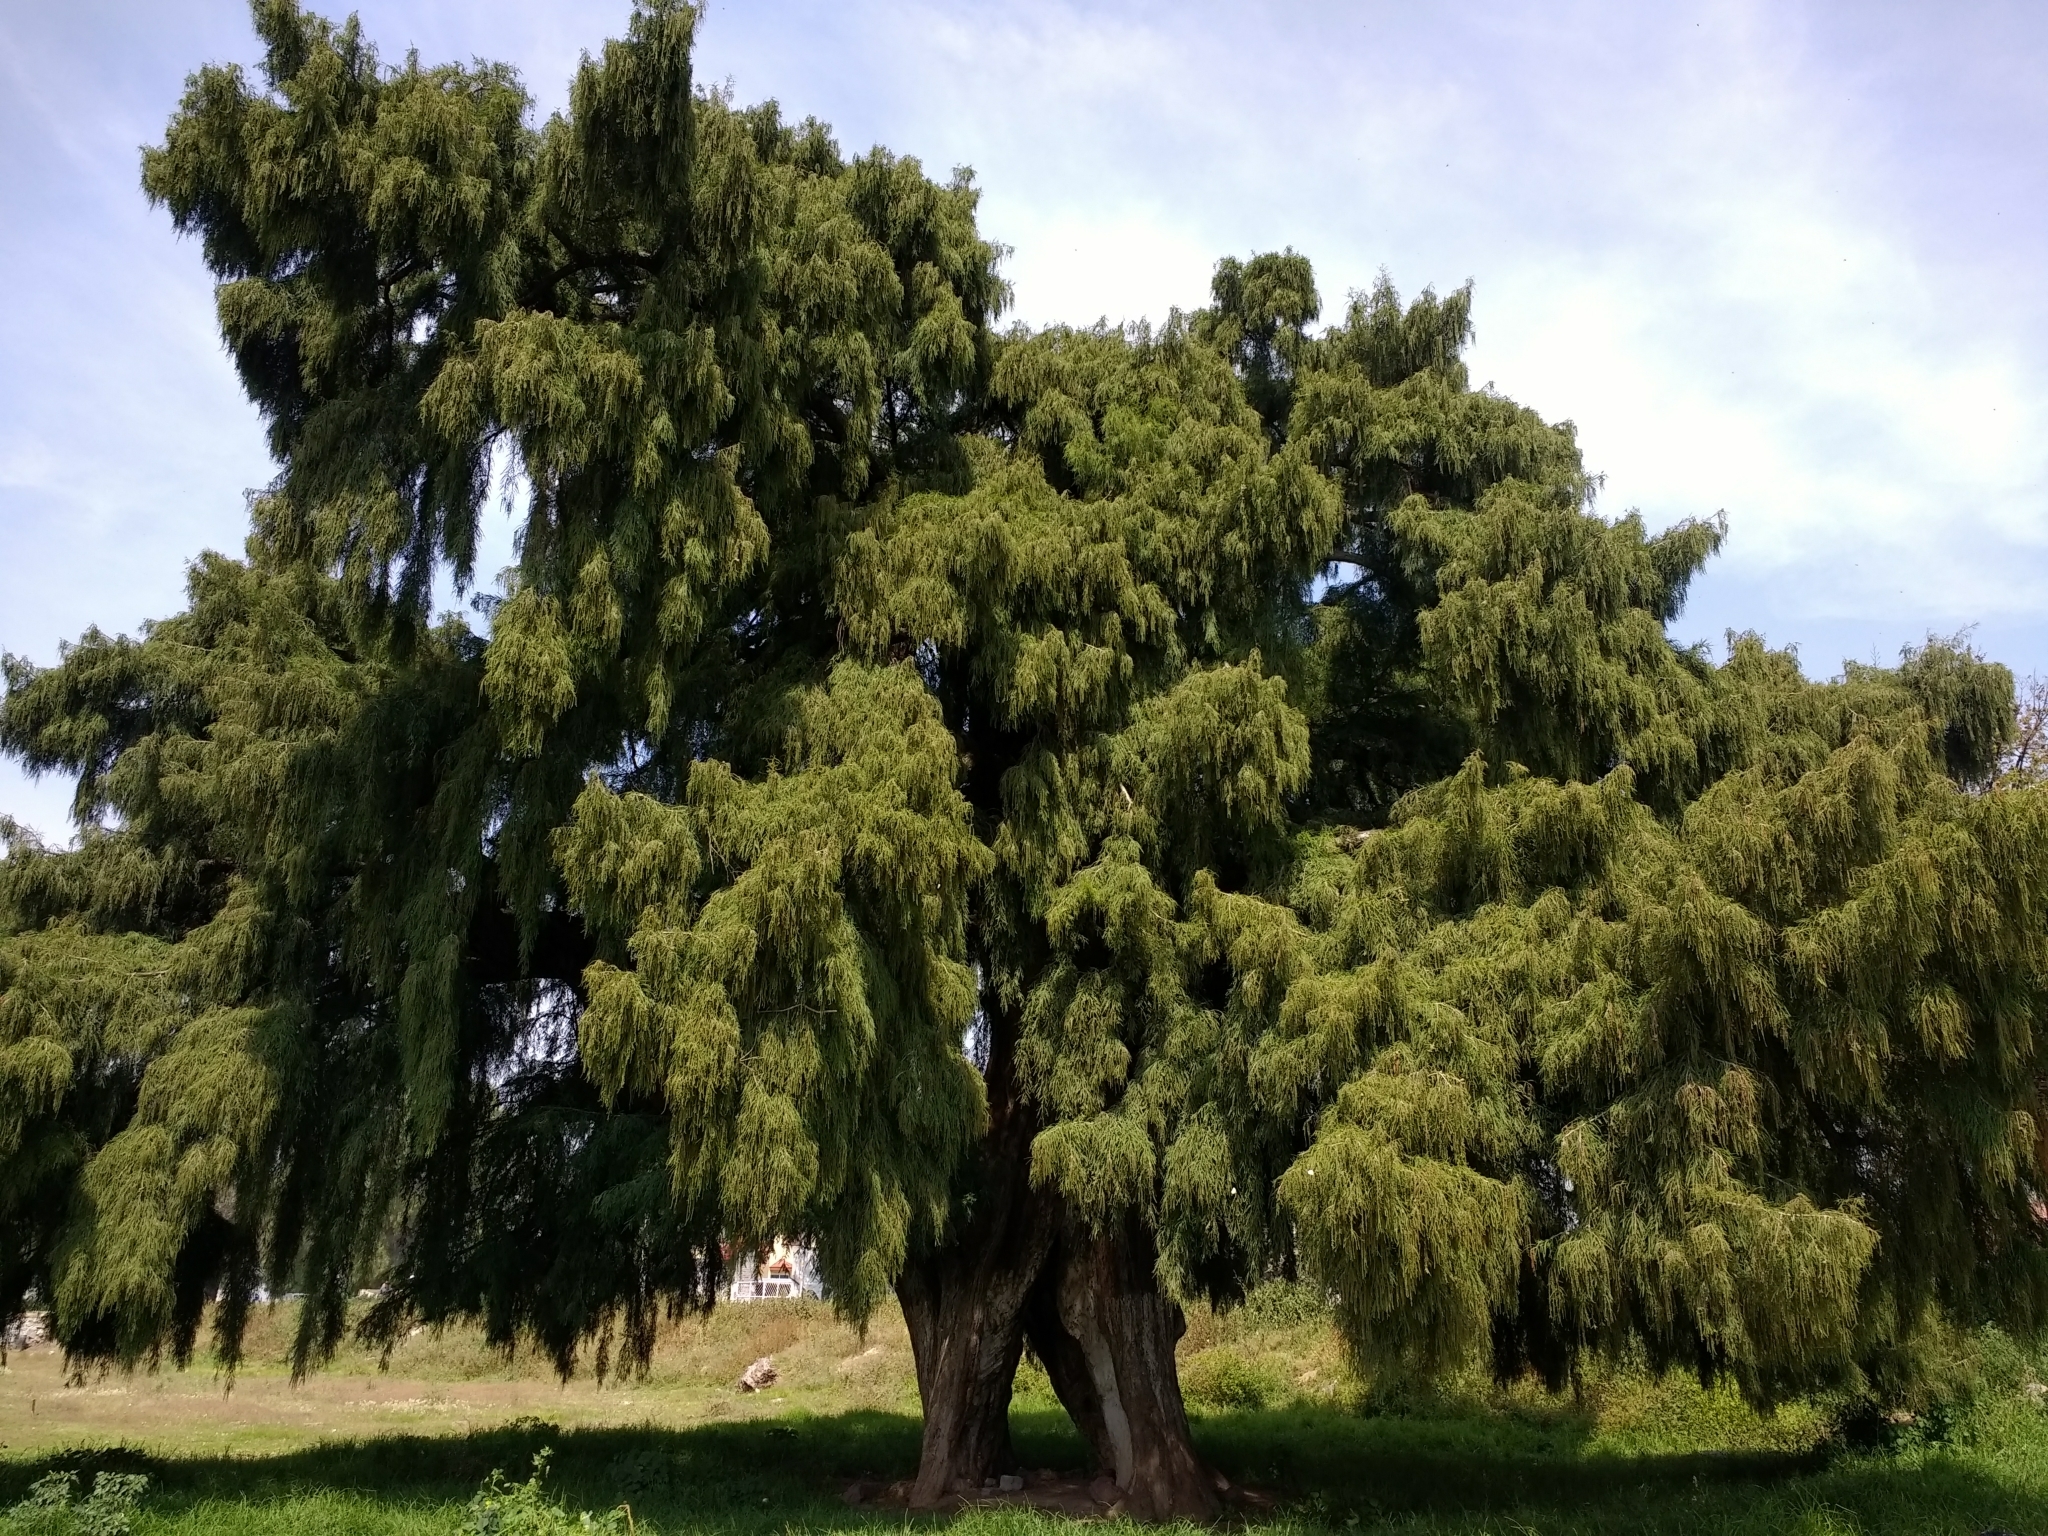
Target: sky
(1785, 261)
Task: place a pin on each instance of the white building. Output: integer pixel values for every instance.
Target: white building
(782, 1273)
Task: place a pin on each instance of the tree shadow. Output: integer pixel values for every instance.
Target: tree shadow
(1484, 1470)
(1328, 1469)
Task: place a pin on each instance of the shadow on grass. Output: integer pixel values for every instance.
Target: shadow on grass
(1450, 1473)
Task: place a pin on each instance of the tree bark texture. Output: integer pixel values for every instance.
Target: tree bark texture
(964, 1306)
(966, 1332)
(1105, 1333)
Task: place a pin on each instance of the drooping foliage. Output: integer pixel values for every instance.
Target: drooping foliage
(1235, 752)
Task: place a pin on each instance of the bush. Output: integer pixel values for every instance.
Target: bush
(521, 1509)
(642, 1475)
(53, 1508)
(1938, 1377)
(1285, 1304)
(1222, 1378)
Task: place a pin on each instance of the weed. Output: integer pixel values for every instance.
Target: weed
(1285, 1304)
(53, 1507)
(522, 1509)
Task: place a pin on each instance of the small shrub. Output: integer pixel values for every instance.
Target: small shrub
(53, 1507)
(1941, 1380)
(522, 1509)
(1222, 1378)
(2003, 1363)
(1637, 1413)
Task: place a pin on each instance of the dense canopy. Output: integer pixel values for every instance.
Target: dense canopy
(1070, 822)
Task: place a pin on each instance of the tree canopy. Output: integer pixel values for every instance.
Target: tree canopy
(1070, 822)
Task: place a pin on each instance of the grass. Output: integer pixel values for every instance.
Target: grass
(450, 1385)
(359, 1451)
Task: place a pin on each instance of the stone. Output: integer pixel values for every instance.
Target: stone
(1009, 1482)
(1104, 1490)
(760, 1374)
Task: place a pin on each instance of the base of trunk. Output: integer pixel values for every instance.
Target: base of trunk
(1105, 1333)
(965, 1341)
(1091, 1306)
(964, 1306)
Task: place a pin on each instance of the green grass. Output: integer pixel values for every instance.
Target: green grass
(1466, 1473)
(1631, 1456)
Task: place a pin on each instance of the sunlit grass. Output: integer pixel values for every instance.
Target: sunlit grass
(361, 1452)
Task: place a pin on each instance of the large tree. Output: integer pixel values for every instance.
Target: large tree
(1069, 822)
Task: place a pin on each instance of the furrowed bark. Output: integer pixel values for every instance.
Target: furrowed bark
(964, 1306)
(1105, 1333)
(966, 1332)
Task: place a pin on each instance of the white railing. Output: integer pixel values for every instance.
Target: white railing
(763, 1290)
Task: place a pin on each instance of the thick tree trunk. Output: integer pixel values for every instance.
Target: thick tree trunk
(964, 1306)
(1093, 1311)
(966, 1332)
(1105, 1333)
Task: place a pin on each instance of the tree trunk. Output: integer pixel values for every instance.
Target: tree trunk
(1105, 1334)
(964, 1305)
(1093, 1311)
(966, 1332)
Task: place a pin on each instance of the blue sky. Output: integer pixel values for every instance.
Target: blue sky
(1787, 260)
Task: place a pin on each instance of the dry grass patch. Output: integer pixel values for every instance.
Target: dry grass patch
(448, 1382)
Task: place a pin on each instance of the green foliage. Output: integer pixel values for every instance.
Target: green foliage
(1234, 758)
(1278, 1303)
(1223, 1378)
(803, 1025)
(53, 1507)
(522, 1509)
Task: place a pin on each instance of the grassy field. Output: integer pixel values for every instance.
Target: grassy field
(359, 1449)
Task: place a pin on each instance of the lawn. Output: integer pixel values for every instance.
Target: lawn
(404, 1450)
